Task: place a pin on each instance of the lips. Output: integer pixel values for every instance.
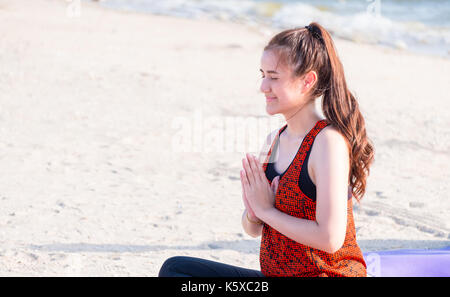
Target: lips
(270, 98)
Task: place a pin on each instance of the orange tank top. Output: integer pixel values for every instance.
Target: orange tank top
(282, 256)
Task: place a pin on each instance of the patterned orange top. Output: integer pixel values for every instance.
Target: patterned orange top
(282, 256)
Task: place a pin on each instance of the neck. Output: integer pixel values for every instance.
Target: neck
(300, 122)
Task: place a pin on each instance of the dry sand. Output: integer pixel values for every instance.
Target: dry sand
(94, 183)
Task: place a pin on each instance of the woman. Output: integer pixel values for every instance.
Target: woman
(299, 199)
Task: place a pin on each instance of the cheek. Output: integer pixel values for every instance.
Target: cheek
(290, 93)
(283, 93)
(279, 89)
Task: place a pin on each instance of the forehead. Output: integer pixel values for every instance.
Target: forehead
(270, 60)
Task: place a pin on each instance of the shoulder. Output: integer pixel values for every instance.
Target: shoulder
(329, 146)
(331, 138)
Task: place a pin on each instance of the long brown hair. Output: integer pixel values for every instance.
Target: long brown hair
(311, 48)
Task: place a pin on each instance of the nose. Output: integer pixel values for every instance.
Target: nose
(265, 88)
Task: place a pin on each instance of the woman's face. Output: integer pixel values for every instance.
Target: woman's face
(281, 91)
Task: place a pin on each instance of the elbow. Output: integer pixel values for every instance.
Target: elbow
(333, 244)
(333, 248)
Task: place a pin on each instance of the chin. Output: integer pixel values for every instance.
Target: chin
(271, 111)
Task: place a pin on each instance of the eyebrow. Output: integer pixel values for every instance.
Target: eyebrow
(270, 71)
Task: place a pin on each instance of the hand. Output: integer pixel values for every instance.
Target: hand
(250, 211)
(259, 194)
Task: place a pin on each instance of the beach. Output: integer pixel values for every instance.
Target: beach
(100, 179)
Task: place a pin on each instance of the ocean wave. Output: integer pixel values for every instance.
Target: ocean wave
(372, 22)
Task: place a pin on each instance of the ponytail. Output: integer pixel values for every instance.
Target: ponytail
(342, 110)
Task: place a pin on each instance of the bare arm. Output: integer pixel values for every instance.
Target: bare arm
(331, 169)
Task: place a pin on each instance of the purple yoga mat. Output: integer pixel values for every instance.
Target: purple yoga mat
(409, 262)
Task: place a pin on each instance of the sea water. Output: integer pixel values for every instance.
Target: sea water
(415, 25)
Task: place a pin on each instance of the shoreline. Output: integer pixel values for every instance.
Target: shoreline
(255, 20)
(265, 30)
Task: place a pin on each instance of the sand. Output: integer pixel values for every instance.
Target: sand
(100, 179)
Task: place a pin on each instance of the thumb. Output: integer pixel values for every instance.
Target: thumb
(274, 184)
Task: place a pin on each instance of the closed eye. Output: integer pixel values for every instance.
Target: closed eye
(272, 78)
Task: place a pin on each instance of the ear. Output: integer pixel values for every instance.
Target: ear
(309, 80)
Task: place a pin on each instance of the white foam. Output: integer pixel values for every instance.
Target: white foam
(367, 26)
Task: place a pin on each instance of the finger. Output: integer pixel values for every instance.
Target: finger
(242, 177)
(244, 196)
(245, 183)
(254, 169)
(261, 173)
(244, 180)
(248, 171)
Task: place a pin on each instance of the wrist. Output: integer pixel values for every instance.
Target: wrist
(253, 220)
(265, 214)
